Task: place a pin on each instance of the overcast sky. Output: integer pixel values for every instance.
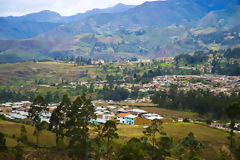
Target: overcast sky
(64, 7)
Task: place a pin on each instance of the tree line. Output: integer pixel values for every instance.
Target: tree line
(113, 93)
(7, 95)
(201, 101)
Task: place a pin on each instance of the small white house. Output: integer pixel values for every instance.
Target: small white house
(121, 117)
(152, 116)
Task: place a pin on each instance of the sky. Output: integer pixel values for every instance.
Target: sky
(64, 7)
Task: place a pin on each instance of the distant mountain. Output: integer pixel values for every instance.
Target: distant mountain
(229, 17)
(54, 17)
(14, 29)
(115, 9)
(33, 24)
(12, 51)
(157, 13)
(42, 16)
(150, 30)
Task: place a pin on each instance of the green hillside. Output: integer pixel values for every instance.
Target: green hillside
(214, 140)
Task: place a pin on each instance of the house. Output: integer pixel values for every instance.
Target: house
(130, 119)
(112, 108)
(99, 61)
(16, 116)
(99, 114)
(121, 117)
(217, 125)
(121, 110)
(137, 111)
(152, 116)
(108, 116)
(98, 121)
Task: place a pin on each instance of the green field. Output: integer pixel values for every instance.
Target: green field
(51, 72)
(213, 139)
(12, 129)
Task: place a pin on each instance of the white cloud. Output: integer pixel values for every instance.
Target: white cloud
(64, 7)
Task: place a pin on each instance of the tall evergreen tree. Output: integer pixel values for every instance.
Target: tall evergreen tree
(58, 118)
(152, 131)
(233, 112)
(78, 118)
(109, 131)
(23, 135)
(35, 113)
(2, 142)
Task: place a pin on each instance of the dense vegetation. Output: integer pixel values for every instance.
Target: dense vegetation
(203, 102)
(12, 96)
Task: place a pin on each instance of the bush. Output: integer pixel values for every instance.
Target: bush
(186, 120)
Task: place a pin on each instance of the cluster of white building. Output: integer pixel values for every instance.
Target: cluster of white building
(122, 115)
(19, 110)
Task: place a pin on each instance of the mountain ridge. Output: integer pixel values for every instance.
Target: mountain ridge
(150, 30)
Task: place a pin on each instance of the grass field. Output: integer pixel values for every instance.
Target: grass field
(11, 129)
(171, 113)
(50, 71)
(214, 139)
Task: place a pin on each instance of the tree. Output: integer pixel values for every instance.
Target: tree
(133, 150)
(78, 118)
(151, 132)
(35, 113)
(97, 142)
(91, 88)
(164, 146)
(155, 128)
(49, 97)
(233, 112)
(2, 142)
(56, 97)
(23, 135)
(18, 152)
(58, 118)
(193, 144)
(109, 131)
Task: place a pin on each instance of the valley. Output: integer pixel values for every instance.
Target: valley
(157, 80)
